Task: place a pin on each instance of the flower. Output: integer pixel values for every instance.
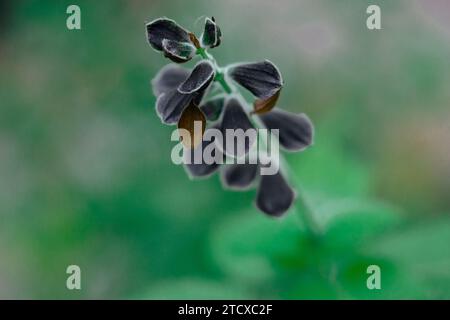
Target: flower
(178, 44)
(179, 93)
(183, 97)
(166, 35)
(274, 195)
(263, 79)
(211, 36)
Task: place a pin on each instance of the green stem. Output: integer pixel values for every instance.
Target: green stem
(221, 79)
(302, 206)
(202, 53)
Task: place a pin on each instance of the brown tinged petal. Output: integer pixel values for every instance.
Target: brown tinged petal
(194, 40)
(203, 169)
(265, 105)
(193, 120)
(296, 131)
(274, 196)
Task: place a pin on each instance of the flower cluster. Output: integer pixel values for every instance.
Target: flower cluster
(185, 96)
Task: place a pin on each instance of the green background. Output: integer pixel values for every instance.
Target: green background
(86, 176)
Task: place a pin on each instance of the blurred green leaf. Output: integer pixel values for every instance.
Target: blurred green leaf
(92, 176)
(422, 252)
(243, 245)
(190, 289)
(325, 169)
(347, 223)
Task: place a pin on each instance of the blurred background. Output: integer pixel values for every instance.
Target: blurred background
(86, 176)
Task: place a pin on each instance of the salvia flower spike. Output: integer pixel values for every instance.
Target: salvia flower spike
(182, 98)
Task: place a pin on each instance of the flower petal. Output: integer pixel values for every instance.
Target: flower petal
(199, 95)
(169, 78)
(164, 28)
(194, 40)
(202, 169)
(263, 79)
(239, 176)
(213, 108)
(295, 130)
(190, 118)
(261, 106)
(200, 77)
(170, 105)
(274, 195)
(211, 35)
(178, 52)
(236, 121)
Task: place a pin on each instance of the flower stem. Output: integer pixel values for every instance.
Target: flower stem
(302, 207)
(202, 53)
(221, 79)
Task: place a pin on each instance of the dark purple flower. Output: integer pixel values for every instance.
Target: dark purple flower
(211, 36)
(176, 87)
(295, 131)
(166, 35)
(184, 96)
(263, 79)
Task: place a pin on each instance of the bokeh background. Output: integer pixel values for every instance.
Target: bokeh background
(86, 176)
